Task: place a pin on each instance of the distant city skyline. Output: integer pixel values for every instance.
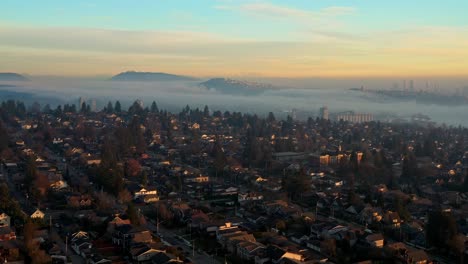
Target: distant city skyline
(293, 39)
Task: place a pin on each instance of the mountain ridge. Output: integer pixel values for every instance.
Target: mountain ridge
(149, 76)
(11, 76)
(235, 87)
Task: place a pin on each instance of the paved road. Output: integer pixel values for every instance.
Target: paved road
(66, 248)
(171, 237)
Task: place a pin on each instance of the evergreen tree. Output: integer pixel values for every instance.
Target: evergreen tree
(30, 174)
(133, 215)
(117, 107)
(83, 108)
(58, 110)
(3, 138)
(109, 108)
(271, 117)
(154, 107)
(46, 109)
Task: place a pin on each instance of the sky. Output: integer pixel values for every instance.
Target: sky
(271, 38)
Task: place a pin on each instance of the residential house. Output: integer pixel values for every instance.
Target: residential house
(143, 253)
(417, 257)
(9, 251)
(229, 241)
(392, 219)
(250, 196)
(370, 215)
(7, 233)
(82, 247)
(198, 179)
(277, 255)
(144, 192)
(81, 243)
(38, 214)
(247, 250)
(125, 235)
(79, 201)
(4, 220)
(98, 259)
(116, 222)
(165, 258)
(375, 240)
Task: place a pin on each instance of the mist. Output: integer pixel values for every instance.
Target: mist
(306, 96)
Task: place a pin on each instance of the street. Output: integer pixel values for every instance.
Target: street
(170, 237)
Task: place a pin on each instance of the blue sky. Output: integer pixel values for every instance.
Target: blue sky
(35, 29)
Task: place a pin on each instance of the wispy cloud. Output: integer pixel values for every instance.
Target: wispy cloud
(265, 9)
(78, 51)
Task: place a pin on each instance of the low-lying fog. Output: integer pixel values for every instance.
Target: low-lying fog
(305, 98)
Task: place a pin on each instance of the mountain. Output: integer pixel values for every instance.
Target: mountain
(9, 76)
(149, 77)
(235, 87)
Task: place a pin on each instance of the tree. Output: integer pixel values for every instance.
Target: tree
(124, 196)
(296, 184)
(441, 228)
(83, 109)
(30, 174)
(117, 107)
(280, 225)
(329, 247)
(135, 108)
(35, 254)
(3, 138)
(41, 183)
(133, 168)
(104, 201)
(154, 107)
(457, 245)
(47, 109)
(109, 108)
(271, 118)
(163, 212)
(400, 208)
(133, 214)
(220, 157)
(144, 178)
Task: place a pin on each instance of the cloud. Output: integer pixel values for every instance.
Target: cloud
(80, 51)
(273, 11)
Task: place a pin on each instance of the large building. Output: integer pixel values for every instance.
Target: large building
(411, 85)
(465, 91)
(354, 117)
(81, 102)
(324, 113)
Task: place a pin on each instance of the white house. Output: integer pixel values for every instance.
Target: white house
(4, 220)
(144, 192)
(38, 214)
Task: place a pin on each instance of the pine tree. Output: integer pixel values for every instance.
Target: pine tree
(133, 214)
(109, 108)
(3, 138)
(117, 107)
(154, 107)
(206, 111)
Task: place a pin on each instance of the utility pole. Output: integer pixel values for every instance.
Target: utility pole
(193, 248)
(66, 245)
(316, 210)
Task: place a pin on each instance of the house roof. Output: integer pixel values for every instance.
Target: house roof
(418, 255)
(275, 252)
(144, 236)
(160, 258)
(375, 237)
(4, 230)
